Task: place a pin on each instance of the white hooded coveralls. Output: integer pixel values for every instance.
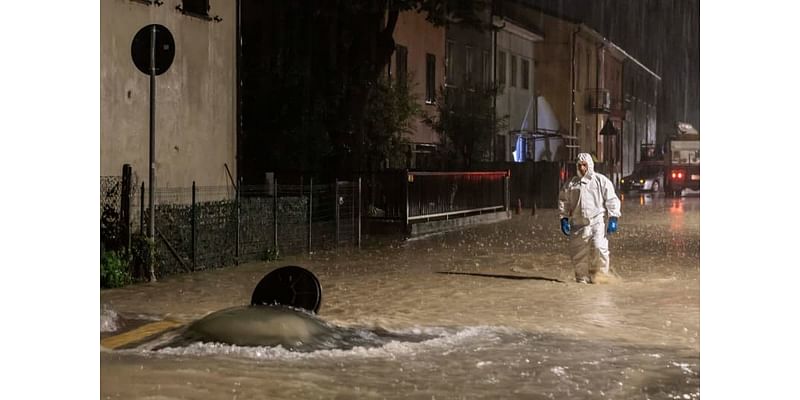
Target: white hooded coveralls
(586, 200)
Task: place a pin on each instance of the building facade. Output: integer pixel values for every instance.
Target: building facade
(517, 98)
(582, 74)
(639, 133)
(469, 57)
(195, 100)
(419, 51)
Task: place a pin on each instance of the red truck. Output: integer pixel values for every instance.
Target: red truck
(682, 160)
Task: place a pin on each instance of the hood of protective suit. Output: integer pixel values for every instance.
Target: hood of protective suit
(589, 162)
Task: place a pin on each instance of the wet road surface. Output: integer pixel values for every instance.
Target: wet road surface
(487, 312)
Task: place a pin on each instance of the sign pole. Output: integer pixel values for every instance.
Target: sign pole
(151, 193)
(152, 51)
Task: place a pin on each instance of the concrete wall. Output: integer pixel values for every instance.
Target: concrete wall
(195, 98)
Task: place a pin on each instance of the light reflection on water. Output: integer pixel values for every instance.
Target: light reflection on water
(489, 337)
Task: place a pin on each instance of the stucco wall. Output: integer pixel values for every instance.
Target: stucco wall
(554, 65)
(420, 38)
(195, 98)
(513, 101)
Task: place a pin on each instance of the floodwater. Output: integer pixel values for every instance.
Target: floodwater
(442, 317)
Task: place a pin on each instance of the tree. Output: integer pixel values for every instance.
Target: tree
(309, 70)
(466, 122)
(390, 110)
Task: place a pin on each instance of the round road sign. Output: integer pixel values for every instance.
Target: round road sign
(164, 49)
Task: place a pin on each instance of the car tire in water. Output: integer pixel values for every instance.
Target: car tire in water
(289, 286)
(656, 186)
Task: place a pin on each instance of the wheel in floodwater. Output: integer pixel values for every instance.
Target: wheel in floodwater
(289, 286)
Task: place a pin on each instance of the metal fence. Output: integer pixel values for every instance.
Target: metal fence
(405, 198)
(447, 194)
(205, 227)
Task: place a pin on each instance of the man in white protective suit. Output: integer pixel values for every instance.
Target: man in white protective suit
(583, 204)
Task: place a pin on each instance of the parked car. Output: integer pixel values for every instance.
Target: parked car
(648, 177)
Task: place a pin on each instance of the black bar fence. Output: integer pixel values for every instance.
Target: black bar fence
(396, 200)
(448, 194)
(203, 227)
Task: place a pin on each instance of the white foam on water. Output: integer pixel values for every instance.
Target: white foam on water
(442, 338)
(108, 320)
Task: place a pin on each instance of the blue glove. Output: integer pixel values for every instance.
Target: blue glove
(565, 226)
(612, 225)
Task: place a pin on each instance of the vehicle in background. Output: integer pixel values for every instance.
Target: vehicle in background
(682, 160)
(646, 176)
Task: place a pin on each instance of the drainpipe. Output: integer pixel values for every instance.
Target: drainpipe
(534, 86)
(597, 124)
(492, 83)
(572, 109)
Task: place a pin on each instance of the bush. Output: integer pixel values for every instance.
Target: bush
(271, 255)
(113, 270)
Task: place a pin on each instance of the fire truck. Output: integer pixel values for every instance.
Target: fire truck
(682, 160)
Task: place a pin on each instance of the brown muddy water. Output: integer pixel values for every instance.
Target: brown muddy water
(441, 317)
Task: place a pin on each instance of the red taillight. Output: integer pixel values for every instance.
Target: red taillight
(680, 175)
(673, 174)
(677, 174)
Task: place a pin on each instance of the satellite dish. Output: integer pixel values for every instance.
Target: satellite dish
(164, 49)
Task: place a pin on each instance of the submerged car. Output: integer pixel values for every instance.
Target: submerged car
(644, 178)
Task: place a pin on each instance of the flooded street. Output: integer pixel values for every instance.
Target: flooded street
(488, 312)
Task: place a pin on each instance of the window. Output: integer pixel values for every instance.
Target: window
(430, 78)
(501, 68)
(487, 68)
(401, 63)
(448, 62)
(196, 7)
(525, 74)
(513, 71)
(469, 74)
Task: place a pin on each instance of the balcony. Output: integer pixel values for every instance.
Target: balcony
(599, 101)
